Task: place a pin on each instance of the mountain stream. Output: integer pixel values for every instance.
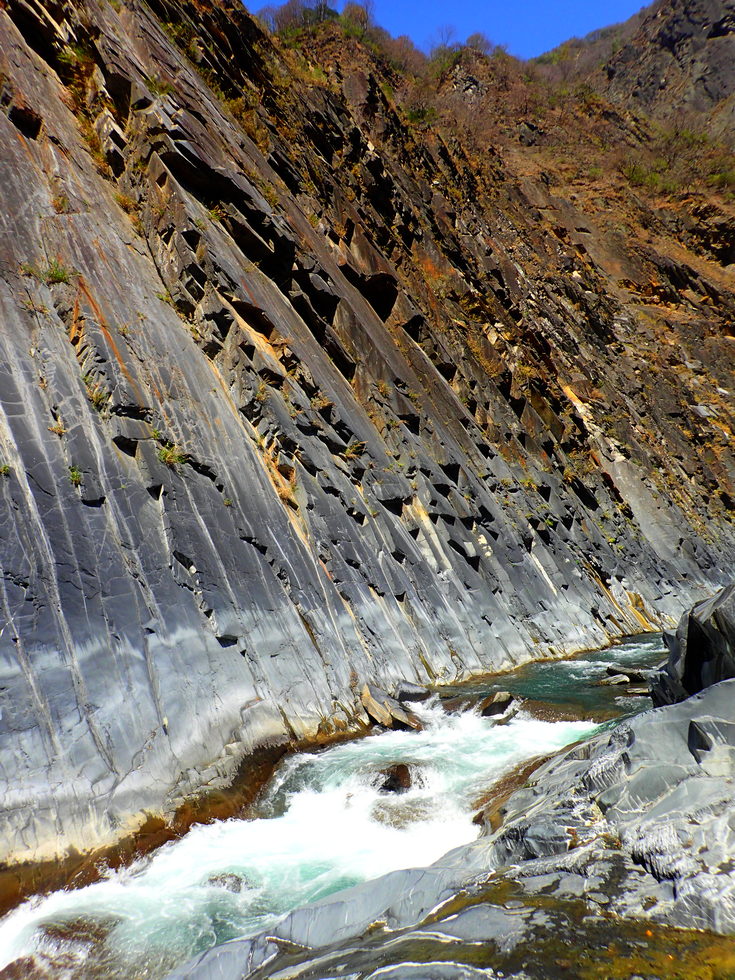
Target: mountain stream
(324, 823)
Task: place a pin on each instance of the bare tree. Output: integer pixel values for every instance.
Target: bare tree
(480, 42)
(359, 15)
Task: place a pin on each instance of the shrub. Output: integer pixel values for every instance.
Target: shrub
(354, 450)
(171, 456)
(55, 273)
(128, 205)
(97, 395)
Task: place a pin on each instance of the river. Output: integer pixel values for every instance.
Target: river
(323, 824)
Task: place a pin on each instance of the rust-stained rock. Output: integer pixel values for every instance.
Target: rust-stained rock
(397, 779)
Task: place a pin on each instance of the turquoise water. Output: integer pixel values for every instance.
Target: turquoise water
(324, 825)
(572, 684)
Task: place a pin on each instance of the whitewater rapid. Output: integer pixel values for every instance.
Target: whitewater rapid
(325, 825)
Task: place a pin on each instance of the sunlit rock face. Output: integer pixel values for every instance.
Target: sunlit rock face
(290, 404)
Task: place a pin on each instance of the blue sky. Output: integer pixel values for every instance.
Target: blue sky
(527, 28)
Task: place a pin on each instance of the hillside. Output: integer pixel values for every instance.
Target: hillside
(307, 382)
(680, 65)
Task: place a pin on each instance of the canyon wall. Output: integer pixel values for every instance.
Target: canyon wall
(294, 396)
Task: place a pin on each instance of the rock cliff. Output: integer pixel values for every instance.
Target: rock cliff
(297, 396)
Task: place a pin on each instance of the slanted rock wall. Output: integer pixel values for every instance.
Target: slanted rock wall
(287, 407)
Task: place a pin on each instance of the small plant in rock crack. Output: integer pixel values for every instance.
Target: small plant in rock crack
(31, 306)
(5, 469)
(58, 428)
(97, 395)
(128, 205)
(55, 273)
(354, 450)
(158, 86)
(171, 456)
(75, 476)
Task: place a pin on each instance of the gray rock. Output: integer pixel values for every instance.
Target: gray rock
(406, 691)
(385, 710)
(252, 461)
(701, 652)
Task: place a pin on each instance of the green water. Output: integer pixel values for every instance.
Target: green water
(572, 685)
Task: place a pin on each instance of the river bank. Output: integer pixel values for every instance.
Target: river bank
(321, 824)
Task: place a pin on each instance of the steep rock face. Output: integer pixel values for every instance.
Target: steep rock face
(680, 61)
(701, 652)
(291, 402)
(636, 822)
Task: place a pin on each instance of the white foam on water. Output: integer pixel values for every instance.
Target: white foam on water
(327, 826)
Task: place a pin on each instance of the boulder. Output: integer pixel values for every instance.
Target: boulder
(407, 691)
(633, 674)
(701, 652)
(456, 703)
(228, 880)
(614, 680)
(386, 711)
(397, 779)
(496, 704)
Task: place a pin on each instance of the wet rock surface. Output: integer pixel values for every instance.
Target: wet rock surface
(496, 704)
(290, 403)
(633, 823)
(387, 711)
(397, 779)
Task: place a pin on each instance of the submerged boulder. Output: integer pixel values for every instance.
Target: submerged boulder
(397, 779)
(701, 652)
(228, 880)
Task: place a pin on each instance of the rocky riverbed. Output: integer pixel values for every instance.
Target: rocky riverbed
(632, 826)
(327, 820)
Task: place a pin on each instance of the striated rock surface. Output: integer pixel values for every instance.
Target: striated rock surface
(701, 652)
(295, 397)
(636, 822)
